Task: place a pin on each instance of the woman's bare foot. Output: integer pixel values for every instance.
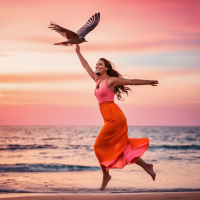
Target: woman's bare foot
(106, 179)
(149, 170)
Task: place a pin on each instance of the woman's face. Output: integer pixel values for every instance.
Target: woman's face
(100, 67)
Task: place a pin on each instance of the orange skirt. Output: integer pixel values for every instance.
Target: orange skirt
(112, 147)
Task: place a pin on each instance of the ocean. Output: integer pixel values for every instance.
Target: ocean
(61, 159)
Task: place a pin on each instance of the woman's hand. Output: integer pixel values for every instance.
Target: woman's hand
(77, 48)
(153, 82)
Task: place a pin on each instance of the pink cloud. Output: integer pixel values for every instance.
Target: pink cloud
(124, 26)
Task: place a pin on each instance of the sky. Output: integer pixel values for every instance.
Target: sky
(44, 84)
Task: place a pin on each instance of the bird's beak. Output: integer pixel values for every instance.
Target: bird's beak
(86, 41)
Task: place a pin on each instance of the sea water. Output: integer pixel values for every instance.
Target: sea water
(61, 159)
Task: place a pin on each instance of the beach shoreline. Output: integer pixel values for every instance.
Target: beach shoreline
(105, 196)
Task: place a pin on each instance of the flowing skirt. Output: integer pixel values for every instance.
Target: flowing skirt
(112, 147)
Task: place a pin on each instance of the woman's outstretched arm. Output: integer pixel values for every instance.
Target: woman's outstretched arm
(85, 64)
(122, 81)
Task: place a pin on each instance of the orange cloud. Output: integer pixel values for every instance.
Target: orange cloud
(33, 78)
(3, 55)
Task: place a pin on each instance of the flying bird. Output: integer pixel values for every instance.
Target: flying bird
(79, 36)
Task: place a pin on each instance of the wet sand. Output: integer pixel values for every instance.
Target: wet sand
(124, 196)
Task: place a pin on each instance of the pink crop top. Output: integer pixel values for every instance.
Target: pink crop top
(103, 93)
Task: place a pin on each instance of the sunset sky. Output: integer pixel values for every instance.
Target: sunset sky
(44, 84)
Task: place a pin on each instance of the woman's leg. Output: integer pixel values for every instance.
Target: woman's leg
(147, 167)
(106, 178)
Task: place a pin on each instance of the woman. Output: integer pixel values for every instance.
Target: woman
(112, 147)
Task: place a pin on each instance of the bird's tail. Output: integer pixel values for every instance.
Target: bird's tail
(64, 44)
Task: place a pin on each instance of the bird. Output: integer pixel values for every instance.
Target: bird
(79, 36)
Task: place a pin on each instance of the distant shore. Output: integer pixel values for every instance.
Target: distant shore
(124, 196)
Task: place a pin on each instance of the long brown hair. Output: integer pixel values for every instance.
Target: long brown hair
(112, 72)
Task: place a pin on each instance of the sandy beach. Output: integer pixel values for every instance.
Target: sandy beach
(126, 196)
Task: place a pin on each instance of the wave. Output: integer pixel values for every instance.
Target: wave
(48, 146)
(34, 146)
(176, 147)
(15, 191)
(51, 138)
(94, 190)
(45, 168)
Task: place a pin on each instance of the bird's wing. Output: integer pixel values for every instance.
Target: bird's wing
(89, 26)
(64, 32)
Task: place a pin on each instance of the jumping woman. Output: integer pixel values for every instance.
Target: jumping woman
(112, 147)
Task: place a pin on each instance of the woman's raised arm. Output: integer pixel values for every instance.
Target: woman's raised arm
(85, 64)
